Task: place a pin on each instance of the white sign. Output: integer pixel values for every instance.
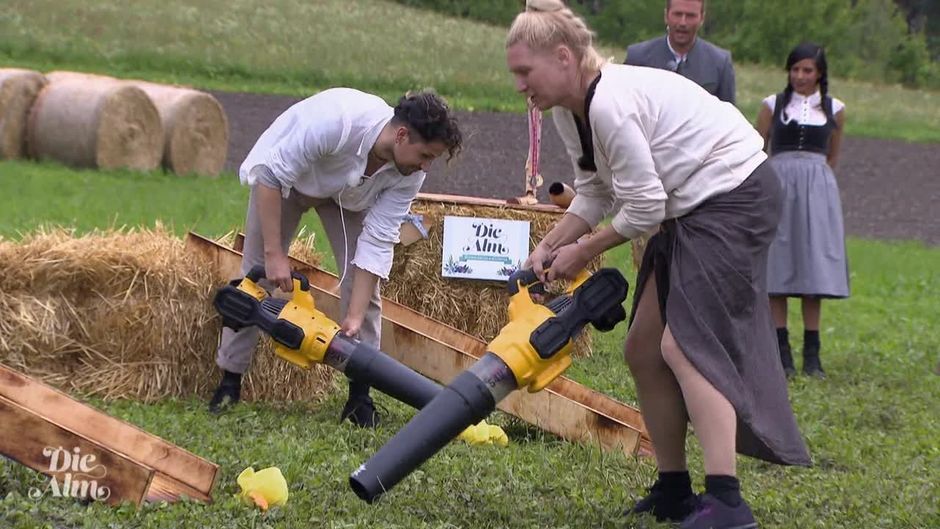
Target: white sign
(479, 248)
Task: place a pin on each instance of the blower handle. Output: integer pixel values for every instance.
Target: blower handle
(527, 277)
(257, 273)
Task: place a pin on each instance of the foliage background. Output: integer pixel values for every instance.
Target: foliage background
(875, 40)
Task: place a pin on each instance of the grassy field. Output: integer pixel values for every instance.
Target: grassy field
(872, 426)
(298, 47)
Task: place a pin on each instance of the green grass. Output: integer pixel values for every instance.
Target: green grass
(88, 199)
(297, 47)
(872, 426)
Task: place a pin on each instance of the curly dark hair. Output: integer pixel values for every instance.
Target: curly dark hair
(427, 114)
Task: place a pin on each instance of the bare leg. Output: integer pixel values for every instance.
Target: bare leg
(713, 418)
(812, 312)
(778, 309)
(657, 390)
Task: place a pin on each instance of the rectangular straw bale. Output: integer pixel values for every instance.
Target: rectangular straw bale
(125, 314)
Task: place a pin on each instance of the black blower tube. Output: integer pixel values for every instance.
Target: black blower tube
(366, 364)
(470, 398)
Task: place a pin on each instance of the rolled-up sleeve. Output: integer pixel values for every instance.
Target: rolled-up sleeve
(375, 247)
(593, 199)
(634, 179)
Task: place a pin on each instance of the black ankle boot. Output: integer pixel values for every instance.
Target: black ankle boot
(359, 408)
(786, 354)
(812, 366)
(228, 393)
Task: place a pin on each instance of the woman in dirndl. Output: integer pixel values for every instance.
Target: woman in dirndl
(656, 152)
(802, 126)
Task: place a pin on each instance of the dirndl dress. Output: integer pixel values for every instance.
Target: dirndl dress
(807, 257)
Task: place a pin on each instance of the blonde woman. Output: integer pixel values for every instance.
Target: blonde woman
(652, 149)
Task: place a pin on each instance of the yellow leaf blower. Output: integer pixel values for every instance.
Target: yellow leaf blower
(304, 336)
(529, 352)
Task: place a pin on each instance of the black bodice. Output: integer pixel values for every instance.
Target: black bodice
(795, 137)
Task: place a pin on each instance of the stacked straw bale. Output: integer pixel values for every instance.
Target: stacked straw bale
(95, 121)
(195, 126)
(125, 315)
(18, 91)
(478, 308)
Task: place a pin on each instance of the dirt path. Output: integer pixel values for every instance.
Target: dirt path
(889, 190)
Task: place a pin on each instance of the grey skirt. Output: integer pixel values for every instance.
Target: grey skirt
(807, 257)
(710, 268)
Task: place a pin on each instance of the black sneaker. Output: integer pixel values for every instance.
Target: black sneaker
(663, 505)
(360, 410)
(712, 513)
(225, 396)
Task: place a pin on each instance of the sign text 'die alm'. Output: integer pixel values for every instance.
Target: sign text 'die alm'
(483, 248)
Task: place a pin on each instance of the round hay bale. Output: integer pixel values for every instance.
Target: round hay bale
(478, 308)
(126, 315)
(95, 121)
(18, 91)
(195, 126)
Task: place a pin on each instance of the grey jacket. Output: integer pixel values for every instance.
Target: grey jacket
(706, 64)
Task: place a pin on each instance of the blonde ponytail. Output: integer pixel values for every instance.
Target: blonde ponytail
(548, 23)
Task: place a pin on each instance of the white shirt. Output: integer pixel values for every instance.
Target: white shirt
(680, 57)
(806, 110)
(662, 146)
(320, 147)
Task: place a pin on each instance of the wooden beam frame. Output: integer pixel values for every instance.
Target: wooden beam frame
(176, 472)
(77, 466)
(491, 202)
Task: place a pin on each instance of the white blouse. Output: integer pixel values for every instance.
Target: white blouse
(320, 147)
(662, 146)
(806, 110)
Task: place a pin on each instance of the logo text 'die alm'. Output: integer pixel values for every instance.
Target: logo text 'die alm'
(487, 238)
(73, 475)
(483, 248)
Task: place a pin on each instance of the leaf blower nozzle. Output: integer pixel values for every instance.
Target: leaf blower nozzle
(530, 351)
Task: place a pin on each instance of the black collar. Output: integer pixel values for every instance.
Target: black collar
(586, 161)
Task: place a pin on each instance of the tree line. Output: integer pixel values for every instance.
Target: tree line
(893, 41)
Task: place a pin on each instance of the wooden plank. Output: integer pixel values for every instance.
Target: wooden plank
(165, 488)
(440, 352)
(78, 467)
(491, 202)
(197, 474)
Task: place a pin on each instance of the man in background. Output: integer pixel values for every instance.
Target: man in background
(683, 52)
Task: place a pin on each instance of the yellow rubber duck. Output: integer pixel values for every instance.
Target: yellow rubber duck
(264, 488)
(484, 434)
